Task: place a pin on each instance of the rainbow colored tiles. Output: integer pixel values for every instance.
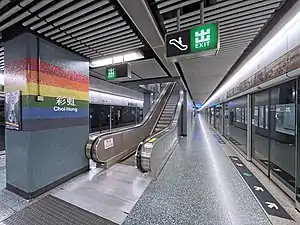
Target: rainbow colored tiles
(65, 92)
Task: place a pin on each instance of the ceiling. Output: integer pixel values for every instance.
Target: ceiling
(96, 28)
(240, 23)
(91, 28)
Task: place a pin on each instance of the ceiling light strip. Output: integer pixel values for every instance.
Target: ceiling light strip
(117, 46)
(123, 49)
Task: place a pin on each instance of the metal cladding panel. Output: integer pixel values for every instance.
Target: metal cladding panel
(103, 86)
(148, 69)
(51, 140)
(138, 12)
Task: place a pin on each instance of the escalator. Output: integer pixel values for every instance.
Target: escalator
(119, 145)
(167, 114)
(155, 150)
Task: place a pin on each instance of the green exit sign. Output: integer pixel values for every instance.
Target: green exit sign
(111, 73)
(204, 37)
(118, 71)
(199, 41)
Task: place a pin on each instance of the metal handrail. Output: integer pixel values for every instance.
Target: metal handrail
(124, 140)
(156, 149)
(96, 135)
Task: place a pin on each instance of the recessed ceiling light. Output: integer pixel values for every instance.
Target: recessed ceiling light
(126, 57)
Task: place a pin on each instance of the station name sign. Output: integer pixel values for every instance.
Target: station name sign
(199, 41)
(118, 71)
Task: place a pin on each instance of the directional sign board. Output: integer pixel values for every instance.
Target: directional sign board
(199, 41)
(117, 71)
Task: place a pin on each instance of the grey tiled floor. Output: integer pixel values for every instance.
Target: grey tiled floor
(9, 202)
(110, 194)
(198, 185)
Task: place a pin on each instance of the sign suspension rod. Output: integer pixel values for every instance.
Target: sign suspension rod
(178, 19)
(202, 12)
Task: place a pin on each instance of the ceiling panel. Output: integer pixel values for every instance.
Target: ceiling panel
(93, 28)
(240, 22)
(148, 69)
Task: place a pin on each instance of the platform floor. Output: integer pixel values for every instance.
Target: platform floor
(199, 185)
(110, 194)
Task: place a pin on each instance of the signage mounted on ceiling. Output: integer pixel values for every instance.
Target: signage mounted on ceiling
(200, 41)
(118, 71)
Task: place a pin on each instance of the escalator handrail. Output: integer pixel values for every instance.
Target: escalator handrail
(168, 128)
(160, 135)
(170, 94)
(94, 138)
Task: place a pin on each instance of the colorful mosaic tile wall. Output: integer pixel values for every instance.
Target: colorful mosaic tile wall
(65, 93)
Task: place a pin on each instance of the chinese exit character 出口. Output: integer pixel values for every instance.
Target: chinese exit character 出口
(202, 38)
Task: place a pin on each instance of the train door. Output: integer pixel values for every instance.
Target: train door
(116, 116)
(2, 126)
(2, 146)
(219, 118)
(282, 136)
(226, 120)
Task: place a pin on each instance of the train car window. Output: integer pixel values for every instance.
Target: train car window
(99, 117)
(238, 115)
(261, 116)
(255, 116)
(285, 118)
(266, 116)
(246, 116)
(243, 115)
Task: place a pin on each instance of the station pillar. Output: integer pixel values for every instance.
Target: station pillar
(146, 104)
(47, 115)
(184, 116)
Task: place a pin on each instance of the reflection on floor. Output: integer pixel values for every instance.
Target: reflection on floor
(239, 137)
(282, 155)
(198, 185)
(110, 194)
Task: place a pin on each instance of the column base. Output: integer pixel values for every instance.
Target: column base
(50, 186)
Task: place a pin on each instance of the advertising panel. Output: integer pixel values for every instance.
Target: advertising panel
(13, 108)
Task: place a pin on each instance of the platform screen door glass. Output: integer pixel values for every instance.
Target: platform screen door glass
(226, 120)
(237, 128)
(282, 135)
(260, 134)
(297, 189)
(2, 125)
